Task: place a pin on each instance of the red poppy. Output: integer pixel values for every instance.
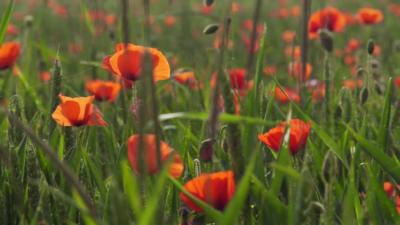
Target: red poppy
(45, 76)
(293, 52)
(77, 112)
(318, 93)
(238, 80)
(352, 45)
(169, 21)
(299, 132)
(9, 53)
(329, 18)
(270, 70)
(388, 188)
(127, 62)
(216, 189)
(11, 30)
(286, 95)
(352, 84)
(288, 36)
(176, 166)
(103, 90)
(186, 78)
(369, 16)
(296, 70)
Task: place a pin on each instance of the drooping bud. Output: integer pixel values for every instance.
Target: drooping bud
(206, 150)
(326, 39)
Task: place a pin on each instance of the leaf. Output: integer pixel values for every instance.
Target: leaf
(233, 210)
(5, 19)
(223, 117)
(385, 118)
(388, 164)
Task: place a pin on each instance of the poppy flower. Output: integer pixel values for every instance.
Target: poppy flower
(388, 188)
(127, 62)
(288, 36)
(11, 30)
(329, 18)
(270, 70)
(216, 189)
(299, 132)
(353, 84)
(176, 166)
(238, 80)
(77, 112)
(45, 76)
(369, 16)
(395, 9)
(286, 95)
(186, 78)
(9, 53)
(235, 7)
(296, 71)
(318, 93)
(295, 11)
(170, 21)
(103, 90)
(293, 52)
(352, 45)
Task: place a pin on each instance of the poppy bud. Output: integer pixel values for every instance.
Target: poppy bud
(210, 28)
(370, 47)
(364, 95)
(326, 40)
(29, 20)
(206, 150)
(208, 2)
(360, 72)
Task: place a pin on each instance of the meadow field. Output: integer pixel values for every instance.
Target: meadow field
(189, 112)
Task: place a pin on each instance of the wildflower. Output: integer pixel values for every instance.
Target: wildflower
(329, 18)
(296, 70)
(175, 168)
(103, 90)
(216, 189)
(388, 188)
(169, 21)
(286, 95)
(353, 84)
(299, 132)
(186, 78)
(127, 62)
(9, 53)
(238, 80)
(369, 16)
(77, 112)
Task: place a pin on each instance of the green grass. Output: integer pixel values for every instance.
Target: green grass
(81, 175)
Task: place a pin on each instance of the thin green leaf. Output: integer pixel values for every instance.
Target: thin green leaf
(5, 19)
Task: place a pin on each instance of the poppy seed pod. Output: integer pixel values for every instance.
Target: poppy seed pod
(326, 40)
